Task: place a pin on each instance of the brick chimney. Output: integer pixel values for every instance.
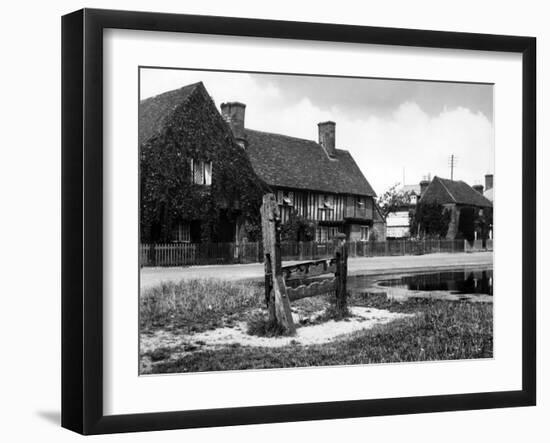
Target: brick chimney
(423, 186)
(327, 137)
(488, 181)
(478, 188)
(233, 113)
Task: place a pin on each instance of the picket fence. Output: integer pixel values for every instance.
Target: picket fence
(188, 254)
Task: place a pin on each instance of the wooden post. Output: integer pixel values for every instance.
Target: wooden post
(341, 253)
(269, 300)
(278, 302)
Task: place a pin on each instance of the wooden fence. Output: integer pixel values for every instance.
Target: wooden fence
(187, 254)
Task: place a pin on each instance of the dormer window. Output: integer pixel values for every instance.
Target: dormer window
(201, 172)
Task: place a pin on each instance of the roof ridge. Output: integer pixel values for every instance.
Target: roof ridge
(296, 138)
(283, 135)
(190, 86)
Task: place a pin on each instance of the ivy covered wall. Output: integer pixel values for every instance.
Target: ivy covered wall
(195, 130)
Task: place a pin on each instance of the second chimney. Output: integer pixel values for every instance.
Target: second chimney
(488, 181)
(233, 113)
(478, 188)
(327, 137)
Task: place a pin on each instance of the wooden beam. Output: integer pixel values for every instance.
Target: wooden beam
(309, 269)
(278, 302)
(313, 289)
(341, 273)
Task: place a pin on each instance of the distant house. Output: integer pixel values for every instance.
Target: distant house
(398, 219)
(310, 179)
(459, 198)
(196, 181)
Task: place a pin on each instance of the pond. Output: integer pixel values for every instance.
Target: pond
(465, 281)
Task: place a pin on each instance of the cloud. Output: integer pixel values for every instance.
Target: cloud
(380, 96)
(421, 144)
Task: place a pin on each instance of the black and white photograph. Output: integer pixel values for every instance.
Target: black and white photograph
(294, 221)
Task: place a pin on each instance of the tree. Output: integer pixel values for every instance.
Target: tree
(393, 199)
(430, 220)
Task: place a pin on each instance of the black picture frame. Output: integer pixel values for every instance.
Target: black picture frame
(82, 218)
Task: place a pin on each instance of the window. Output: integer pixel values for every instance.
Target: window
(413, 199)
(208, 173)
(288, 198)
(201, 172)
(326, 207)
(326, 233)
(364, 233)
(328, 202)
(182, 234)
(359, 203)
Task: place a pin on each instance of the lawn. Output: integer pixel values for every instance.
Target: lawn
(439, 330)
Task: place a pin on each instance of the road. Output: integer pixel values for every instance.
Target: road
(359, 265)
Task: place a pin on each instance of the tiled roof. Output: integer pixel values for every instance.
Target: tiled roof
(291, 162)
(445, 191)
(155, 111)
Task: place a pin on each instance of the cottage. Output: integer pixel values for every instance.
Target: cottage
(196, 181)
(310, 179)
(466, 206)
(203, 173)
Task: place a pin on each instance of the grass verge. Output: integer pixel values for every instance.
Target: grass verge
(441, 330)
(196, 305)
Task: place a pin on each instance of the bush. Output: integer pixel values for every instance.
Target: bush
(298, 228)
(263, 327)
(430, 220)
(466, 223)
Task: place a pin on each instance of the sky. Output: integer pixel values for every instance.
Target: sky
(398, 131)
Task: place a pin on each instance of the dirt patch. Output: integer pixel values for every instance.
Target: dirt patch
(361, 318)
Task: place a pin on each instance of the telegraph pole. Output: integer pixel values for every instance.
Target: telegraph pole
(452, 163)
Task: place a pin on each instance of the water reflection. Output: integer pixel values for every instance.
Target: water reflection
(456, 282)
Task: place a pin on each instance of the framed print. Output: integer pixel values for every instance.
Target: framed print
(271, 221)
